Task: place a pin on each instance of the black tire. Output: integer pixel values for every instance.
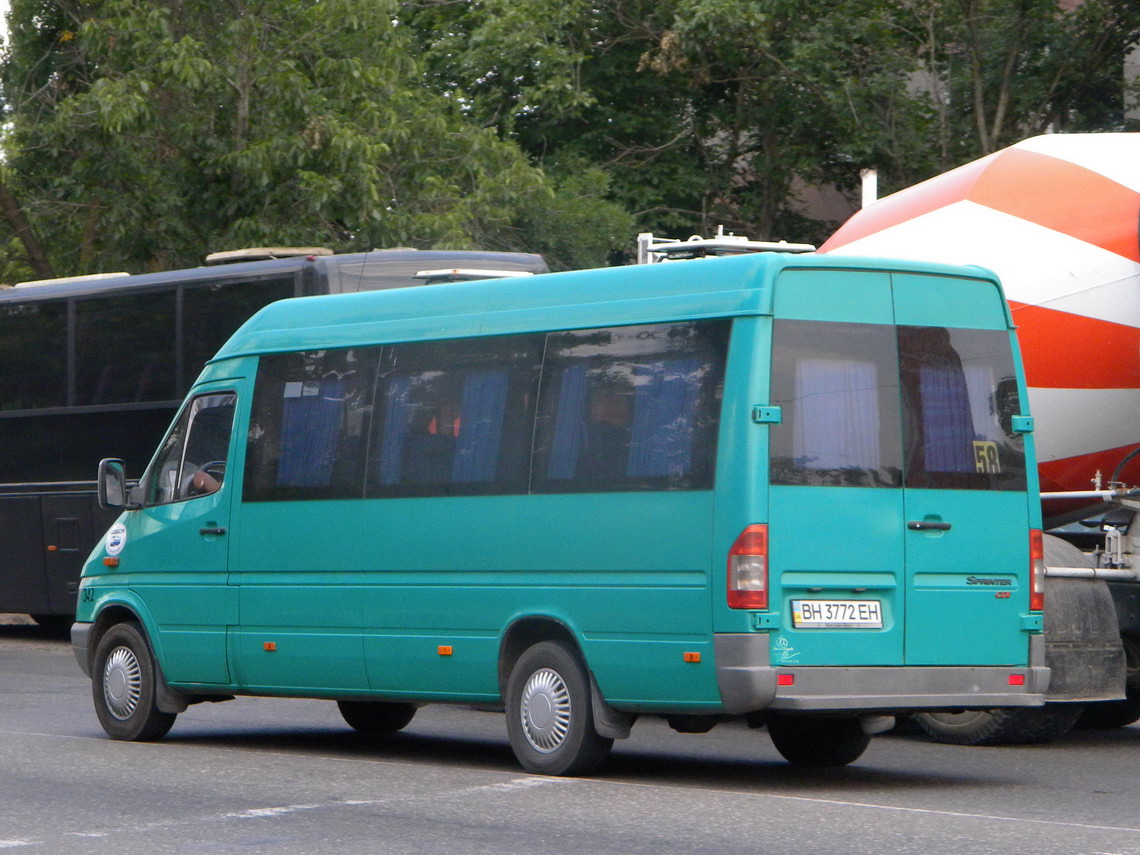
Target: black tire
(1103, 715)
(808, 741)
(376, 717)
(1108, 714)
(123, 683)
(54, 624)
(1003, 726)
(550, 718)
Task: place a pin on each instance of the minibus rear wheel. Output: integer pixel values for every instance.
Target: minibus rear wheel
(550, 717)
(123, 682)
(376, 717)
(810, 741)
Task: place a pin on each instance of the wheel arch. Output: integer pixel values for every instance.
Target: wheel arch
(108, 616)
(119, 611)
(525, 632)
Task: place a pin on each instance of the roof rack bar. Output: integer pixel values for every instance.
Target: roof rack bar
(468, 274)
(651, 249)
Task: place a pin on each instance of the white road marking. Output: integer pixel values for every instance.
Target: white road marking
(535, 781)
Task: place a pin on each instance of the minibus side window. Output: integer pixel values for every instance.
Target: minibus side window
(959, 396)
(837, 386)
(455, 417)
(630, 408)
(192, 460)
(309, 425)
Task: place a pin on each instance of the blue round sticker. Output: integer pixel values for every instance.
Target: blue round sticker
(116, 539)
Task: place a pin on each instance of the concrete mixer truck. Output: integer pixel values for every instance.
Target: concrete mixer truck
(1056, 217)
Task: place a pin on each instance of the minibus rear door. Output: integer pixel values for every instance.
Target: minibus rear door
(967, 506)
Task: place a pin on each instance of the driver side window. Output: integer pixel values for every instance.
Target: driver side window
(192, 460)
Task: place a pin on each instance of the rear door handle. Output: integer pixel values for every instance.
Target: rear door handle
(927, 525)
(211, 531)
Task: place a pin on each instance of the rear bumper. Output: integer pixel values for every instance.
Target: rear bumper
(748, 683)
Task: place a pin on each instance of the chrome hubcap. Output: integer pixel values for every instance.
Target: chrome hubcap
(545, 710)
(122, 683)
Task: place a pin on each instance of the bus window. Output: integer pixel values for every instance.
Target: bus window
(192, 461)
(33, 356)
(837, 384)
(959, 396)
(212, 311)
(309, 426)
(630, 408)
(125, 349)
(455, 417)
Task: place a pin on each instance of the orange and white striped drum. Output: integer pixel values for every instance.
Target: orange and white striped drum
(1056, 217)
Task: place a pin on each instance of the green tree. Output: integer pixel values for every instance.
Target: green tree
(707, 112)
(997, 71)
(702, 112)
(144, 133)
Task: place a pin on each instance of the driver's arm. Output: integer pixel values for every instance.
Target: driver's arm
(203, 482)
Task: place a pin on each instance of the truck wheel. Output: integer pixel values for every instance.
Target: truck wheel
(1004, 726)
(808, 741)
(1106, 714)
(376, 717)
(1103, 715)
(550, 718)
(123, 679)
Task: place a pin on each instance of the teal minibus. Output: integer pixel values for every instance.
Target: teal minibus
(791, 489)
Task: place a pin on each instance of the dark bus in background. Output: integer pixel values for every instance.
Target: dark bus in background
(95, 367)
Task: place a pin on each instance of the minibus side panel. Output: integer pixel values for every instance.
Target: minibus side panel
(742, 459)
(299, 576)
(624, 572)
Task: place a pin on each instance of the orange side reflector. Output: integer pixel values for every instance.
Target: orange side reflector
(785, 679)
(111, 561)
(692, 657)
(445, 650)
(271, 646)
(1017, 679)
(53, 549)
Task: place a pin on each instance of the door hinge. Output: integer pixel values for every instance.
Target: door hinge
(766, 415)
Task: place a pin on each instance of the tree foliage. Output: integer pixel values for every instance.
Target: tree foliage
(144, 132)
(708, 112)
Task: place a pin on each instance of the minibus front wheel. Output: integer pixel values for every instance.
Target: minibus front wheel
(123, 686)
(550, 717)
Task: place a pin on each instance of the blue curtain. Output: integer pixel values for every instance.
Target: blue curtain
(570, 427)
(396, 413)
(481, 427)
(664, 415)
(947, 423)
(836, 414)
(310, 426)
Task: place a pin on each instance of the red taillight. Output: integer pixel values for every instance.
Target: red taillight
(748, 569)
(1036, 570)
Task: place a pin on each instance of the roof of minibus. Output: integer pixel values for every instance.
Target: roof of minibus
(648, 293)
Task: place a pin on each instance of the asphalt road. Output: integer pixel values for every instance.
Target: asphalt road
(287, 776)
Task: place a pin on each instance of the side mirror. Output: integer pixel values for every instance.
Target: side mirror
(112, 486)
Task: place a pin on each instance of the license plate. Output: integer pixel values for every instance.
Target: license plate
(837, 614)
